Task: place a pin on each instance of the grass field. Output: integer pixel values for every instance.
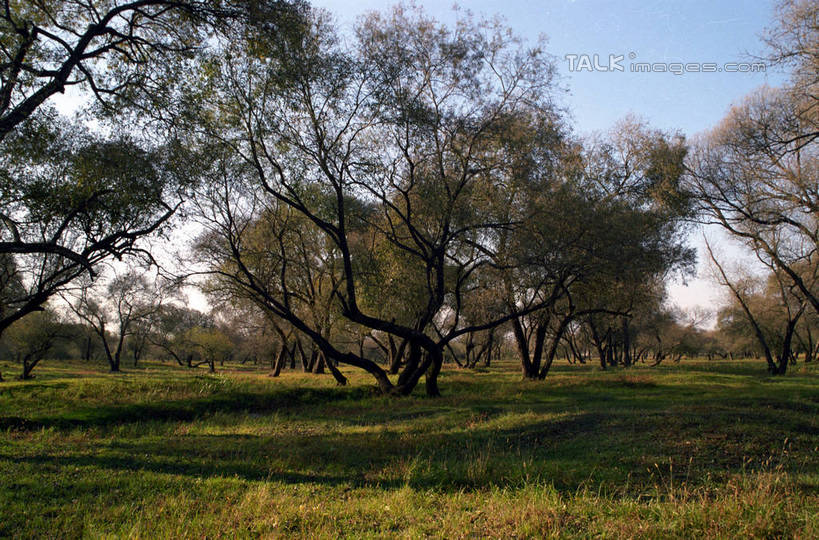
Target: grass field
(717, 450)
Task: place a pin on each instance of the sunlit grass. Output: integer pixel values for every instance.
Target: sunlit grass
(701, 449)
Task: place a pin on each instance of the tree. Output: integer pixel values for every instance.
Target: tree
(128, 54)
(31, 339)
(11, 284)
(113, 313)
(287, 258)
(70, 200)
(779, 305)
(760, 191)
(603, 243)
(171, 331)
(420, 134)
(806, 335)
(72, 197)
(212, 344)
(793, 42)
(755, 174)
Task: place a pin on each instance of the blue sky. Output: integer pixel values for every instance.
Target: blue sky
(718, 32)
(653, 31)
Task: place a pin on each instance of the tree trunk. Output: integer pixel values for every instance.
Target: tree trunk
(293, 351)
(87, 351)
(317, 362)
(468, 349)
(486, 351)
(115, 367)
(598, 343)
(785, 356)
(550, 356)
(139, 348)
(337, 375)
(454, 356)
(280, 358)
(432, 373)
(423, 361)
(522, 346)
(411, 365)
(28, 366)
(303, 356)
(627, 358)
(113, 359)
(397, 356)
(610, 359)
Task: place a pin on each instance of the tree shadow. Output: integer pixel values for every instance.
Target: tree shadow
(186, 410)
(387, 458)
(577, 435)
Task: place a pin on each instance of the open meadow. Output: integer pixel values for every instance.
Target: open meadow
(711, 449)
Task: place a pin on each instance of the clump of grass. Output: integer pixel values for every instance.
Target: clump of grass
(630, 380)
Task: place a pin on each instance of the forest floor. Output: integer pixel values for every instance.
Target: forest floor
(710, 449)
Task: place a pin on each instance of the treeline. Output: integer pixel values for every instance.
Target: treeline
(159, 328)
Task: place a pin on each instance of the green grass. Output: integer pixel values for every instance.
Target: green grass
(717, 449)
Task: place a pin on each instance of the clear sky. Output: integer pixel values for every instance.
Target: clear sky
(653, 31)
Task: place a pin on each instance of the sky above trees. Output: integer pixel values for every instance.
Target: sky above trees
(658, 31)
(655, 31)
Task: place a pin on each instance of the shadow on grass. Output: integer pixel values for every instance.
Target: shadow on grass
(185, 410)
(442, 460)
(604, 450)
(602, 431)
(159, 463)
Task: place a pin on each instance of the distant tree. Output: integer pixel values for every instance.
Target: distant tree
(113, 312)
(772, 313)
(137, 345)
(734, 332)
(31, 339)
(807, 335)
(171, 331)
(212, 344)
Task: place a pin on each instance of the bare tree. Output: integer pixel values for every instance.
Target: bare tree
(33, 337)
(792, 307)
(760, 191)
(113, 312)
(793, 43)
(755, 174)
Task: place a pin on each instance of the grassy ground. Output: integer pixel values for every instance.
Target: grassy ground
(718, 450)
